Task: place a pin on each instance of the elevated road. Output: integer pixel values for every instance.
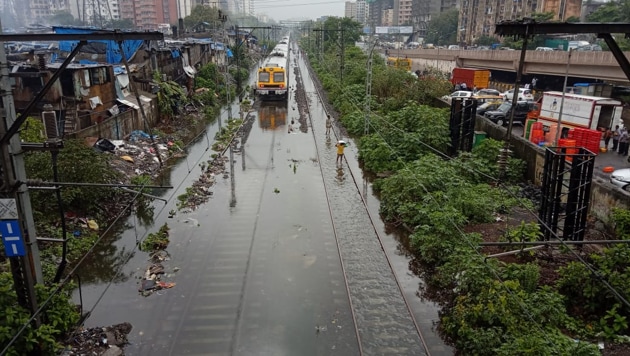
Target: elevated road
(596, 65)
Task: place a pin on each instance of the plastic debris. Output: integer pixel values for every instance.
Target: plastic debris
(92, 225)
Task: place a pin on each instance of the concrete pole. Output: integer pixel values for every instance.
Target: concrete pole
(564, 90)
(27, 270)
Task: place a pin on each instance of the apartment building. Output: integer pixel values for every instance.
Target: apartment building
(357, 10)
(404, 12)
(477, 18)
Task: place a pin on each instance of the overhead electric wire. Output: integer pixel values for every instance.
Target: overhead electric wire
(503, 187)
(471, 245)
(82, 259)
(67, 278)
(306, 4)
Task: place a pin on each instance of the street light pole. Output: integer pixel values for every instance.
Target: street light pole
(564, 90)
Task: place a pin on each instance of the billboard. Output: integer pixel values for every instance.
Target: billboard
(394, 30)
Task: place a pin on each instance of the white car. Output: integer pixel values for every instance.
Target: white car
(523, 95)
(621, 178)
(457, 94)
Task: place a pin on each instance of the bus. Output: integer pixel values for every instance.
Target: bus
(400, 63)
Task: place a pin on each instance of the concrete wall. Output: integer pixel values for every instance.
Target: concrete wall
(120, 126)
(604, 196)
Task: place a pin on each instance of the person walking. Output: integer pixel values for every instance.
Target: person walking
(328, 124)
(341, 145)
(615, 138)
(607, 136)
(623, 142)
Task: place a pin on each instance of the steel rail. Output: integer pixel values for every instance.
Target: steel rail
(380, 241)
(330, 210)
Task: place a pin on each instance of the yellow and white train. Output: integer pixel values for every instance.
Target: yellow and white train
(272, 80)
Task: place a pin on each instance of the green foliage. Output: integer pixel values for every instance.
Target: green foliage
(523, 233)
(157, 240)
(63, 18)
(33, 130)
(58, 318)
(354, 122)
(171, 96)
(483, 165)
(613, 11)
(527, 275)
(352, 32)
(122, 24)
(209, 77)
(584, 290)
(485, 40)
(443, 28)
(416, 192)
(77, 163)
(613, 324)
(502, 316)
(200, 14)
(403, 136)
(621, 217)
(350, 99)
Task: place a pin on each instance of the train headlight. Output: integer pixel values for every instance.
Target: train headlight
(281, 86)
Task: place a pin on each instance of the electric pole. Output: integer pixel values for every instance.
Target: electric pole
(16, 216)
(17, 226)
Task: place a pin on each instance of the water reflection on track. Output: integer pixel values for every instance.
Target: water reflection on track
(272, 115)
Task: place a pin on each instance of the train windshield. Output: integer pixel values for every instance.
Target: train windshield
(263, 77)
(278, 77)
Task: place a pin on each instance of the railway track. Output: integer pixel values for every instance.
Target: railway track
(383, 318)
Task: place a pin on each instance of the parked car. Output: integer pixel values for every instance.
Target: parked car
(621, 178)
(453, 47)
(589, 47)
(457, 94)
(501, 115)
(488, 92)
(523, 95)
(544, 49)
(488, 106)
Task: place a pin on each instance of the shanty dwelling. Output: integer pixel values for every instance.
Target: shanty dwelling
(85, 99)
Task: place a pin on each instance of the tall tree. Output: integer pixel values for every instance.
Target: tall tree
(443, 28)
(63, 18)
(200, 16)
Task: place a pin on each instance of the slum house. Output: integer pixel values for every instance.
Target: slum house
(83, 97)
(177, 60)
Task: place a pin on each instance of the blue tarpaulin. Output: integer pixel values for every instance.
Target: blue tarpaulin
(229, 54)
(113, 54)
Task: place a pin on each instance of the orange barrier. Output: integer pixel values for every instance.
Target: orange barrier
(570, 145)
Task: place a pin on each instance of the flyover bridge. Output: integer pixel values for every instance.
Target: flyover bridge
(591, 64)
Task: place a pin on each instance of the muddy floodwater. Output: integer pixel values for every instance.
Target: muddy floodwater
(282, 260)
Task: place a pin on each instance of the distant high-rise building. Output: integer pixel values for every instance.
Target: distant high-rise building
(387, 18)
(375, 12)
(95, 12)
(350, 10)
(404, 12)
(477, 18)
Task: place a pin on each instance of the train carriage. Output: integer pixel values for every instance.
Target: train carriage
(272, 80)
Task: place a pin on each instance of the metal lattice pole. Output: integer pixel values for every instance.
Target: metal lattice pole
(368, 88)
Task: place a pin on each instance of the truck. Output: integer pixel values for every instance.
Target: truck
(584, 111)
(473, 77)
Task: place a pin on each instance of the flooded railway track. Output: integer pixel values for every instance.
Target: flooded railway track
(384, 321)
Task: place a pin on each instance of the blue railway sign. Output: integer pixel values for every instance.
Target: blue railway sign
(12, 238)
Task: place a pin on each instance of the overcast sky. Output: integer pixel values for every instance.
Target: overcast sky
(299, 9)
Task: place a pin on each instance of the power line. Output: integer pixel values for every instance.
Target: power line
(596, 273)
